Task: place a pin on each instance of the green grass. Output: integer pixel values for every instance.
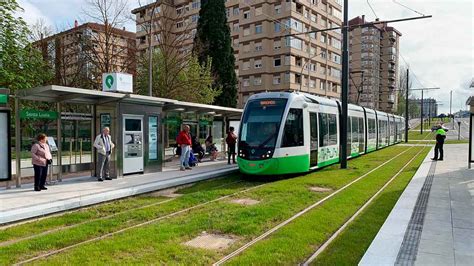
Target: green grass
(349, 247)
(415, 135)
(428, 125)
(161, 242)
(455, 141)
(295, 242)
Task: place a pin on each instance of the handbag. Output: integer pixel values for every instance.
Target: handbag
(49, 161)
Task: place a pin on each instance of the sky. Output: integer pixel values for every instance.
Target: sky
(439, 50)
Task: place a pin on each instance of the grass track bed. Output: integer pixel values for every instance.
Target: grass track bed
(296, 241)
(354, 241)
(162, 242)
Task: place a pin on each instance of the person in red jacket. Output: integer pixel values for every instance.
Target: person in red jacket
(184, 141)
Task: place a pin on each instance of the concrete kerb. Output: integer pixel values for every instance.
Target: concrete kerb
(385, 247)
(19, 214)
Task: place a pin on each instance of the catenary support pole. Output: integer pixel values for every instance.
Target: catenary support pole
(406, 106)
(345, 84)
(421, 113)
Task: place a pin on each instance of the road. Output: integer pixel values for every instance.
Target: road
(453, 132)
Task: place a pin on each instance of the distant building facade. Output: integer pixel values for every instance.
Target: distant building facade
(430, 107)
(81, 54)
(266, 60)
(374, 65)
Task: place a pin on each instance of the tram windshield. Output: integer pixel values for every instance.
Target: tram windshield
(261, 123)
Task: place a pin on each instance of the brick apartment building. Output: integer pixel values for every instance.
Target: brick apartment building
(374, 65)
(266, 59)
(81, 54)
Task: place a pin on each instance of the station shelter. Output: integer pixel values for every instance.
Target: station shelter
(143, 128)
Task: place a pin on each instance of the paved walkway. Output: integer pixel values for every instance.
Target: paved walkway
(433, 221)
(23, 203)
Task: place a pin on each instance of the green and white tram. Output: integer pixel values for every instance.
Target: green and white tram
(284, 133)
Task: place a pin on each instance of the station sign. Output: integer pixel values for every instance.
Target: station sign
(37, 114)
(3, 98)
(117, 82)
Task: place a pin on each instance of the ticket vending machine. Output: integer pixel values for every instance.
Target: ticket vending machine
(132, 144)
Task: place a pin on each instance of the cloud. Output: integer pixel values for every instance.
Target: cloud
(31, 13)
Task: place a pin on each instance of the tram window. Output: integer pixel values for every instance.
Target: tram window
(264, 117)
(332, 129)
(313, 121)
(372, 133)
(323, 130)
(355, 129)
(361, 130)
(293, 135)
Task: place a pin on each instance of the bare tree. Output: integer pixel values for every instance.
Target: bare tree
(107, 46)
(168, 31)
(40, 30)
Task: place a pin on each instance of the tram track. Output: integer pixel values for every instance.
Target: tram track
(323, 247)
(302, 212)
(157, 219)
(170, 215)
(63, 228)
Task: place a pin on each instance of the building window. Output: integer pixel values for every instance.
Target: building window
(257, 81)
(246, 31)
(276, 45)
(258, 46)
(246, 65)
(235, 27)
(246, 48)
(194, 18)
(276, 80)
(277, 61)
(258, 63)
(258, 29)
(277, 26)
(287, 60)
(196, 4)
(246, 82)
(277, 9)
(246, 14)
(236, 11)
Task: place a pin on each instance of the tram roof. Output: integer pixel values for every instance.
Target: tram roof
(62, 94)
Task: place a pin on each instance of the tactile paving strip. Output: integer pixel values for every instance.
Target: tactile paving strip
(411, 240)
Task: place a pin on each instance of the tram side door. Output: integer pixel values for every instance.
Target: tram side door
(313, 123)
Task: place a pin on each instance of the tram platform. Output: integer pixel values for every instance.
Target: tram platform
(433, 221)
(18, 204)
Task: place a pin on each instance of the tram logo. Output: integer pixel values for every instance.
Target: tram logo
(252, 151)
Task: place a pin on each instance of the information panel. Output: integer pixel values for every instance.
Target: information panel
(153, 138)
(5, 146)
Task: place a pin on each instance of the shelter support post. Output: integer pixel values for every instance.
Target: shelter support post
(59, 136)
(93, 133)
(17, 142)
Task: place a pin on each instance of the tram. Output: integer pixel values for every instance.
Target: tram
(293, 132)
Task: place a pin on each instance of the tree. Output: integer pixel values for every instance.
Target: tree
(21, 66)
(106, 50)
(213, 41)
(40, 30)
(190, 82)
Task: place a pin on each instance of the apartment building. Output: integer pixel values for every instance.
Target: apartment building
(430, 107)
(374, 65)
(81, 54)
(266, 58)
